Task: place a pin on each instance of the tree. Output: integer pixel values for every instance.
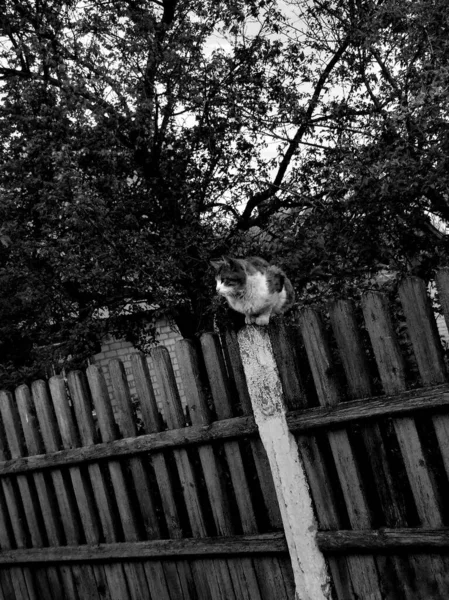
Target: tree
(137, 143)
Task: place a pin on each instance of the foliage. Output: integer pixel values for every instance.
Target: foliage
(141, 138)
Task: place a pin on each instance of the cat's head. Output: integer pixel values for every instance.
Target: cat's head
(230, 276)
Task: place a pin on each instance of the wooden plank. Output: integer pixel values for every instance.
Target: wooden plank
(51, 439)
(69, 435)
(320, 359)
(152, 423)
(384, 341)
(441, 422)
(391, 370)
(326, 509)
(175, 418)
(235, 366)
(64, 495)
(363, 570)
(385, 540)
(223, 405)
(423, 331)
(387, 352)
(238, 427)
(156, 442)
(6, 586)
(237, 545)
(85, 575)
(201, 415)
(352, 353)
(129, 429)
(347, 335)
(135, 574)
(11, 423)
(21, 579)
(49, 508)
(108, 432)
(286, 360)
(13, 504)
(156, 582)
(175, 574)
(79, 394)
(429, 356)
(269, 574)
(373, 408)
(112, 577)
(240, 570)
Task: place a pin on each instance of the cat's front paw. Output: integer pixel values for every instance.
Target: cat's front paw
(262, 319)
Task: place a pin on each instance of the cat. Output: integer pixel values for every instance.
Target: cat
(253, 287)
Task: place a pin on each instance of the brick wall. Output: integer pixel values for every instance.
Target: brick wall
(116, 348)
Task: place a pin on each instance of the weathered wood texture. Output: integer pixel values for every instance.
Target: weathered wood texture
(134, 505)
(78, 481)
(370, 464)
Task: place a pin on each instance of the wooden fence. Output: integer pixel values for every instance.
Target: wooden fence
(125, 507)
(97, 505)
(373, 435)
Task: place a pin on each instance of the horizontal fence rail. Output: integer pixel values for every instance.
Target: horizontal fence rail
(235, 428)
(404, 539)
(238, 427)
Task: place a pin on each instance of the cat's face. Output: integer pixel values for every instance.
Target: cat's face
(230, 277)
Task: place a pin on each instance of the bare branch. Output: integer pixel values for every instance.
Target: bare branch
(267, 193)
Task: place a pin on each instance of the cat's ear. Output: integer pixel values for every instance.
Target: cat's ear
(233, 263)
(216, 264)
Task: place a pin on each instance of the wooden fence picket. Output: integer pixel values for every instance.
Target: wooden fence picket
(114, 574)
(135, 574)
(287, 363)
(392, 373)
(177, 573)
(50, 513)
(154, 569)
(441, 422)
(347, 335)
(64, 493)
(11, 423)
(363, 570)
(240, 570)
(351, 349)
(221, 394)
(129, 429)
(175, 418)
(232, 351)
(86, 579)
(359, 386)
(21, 578)
(423, 331)
(236, 371)
(270, 577)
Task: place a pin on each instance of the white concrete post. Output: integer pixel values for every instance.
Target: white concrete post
(265, 390)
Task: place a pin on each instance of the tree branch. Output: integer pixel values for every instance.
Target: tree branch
(245, 219)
